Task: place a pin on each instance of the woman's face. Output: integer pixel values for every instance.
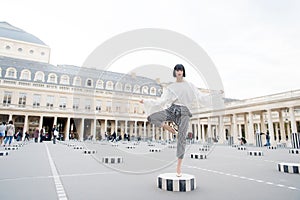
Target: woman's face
(179, 73)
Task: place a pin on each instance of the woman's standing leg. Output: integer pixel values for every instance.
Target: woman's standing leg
(181, 142)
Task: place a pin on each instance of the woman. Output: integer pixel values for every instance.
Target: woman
(2, 131)
(181, 95)
(10, 132)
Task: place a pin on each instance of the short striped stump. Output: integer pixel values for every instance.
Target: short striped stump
(172, 146)
(11, 148)
(235, 145)
(272, 147)
(198, 156)
(112, 159)
(79, 147)
(154, 150)
(170, 182)
(281, 145)
(71, 145)
(136, 143)
(206, 146)
(203, 149)
(3, 153)
(130, 147)
(88, 151)
(15, 145)
(294, 151)
(114, 145)
(163, 143)
(242, 148)
(151, 145)
(292, 168)
(255, 153)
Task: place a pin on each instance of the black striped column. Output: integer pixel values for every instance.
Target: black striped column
(112, 159)
(258, 140)
(292, 168)
(3, 153)
(203, 149)
(295, 139)
(170, 182)
(88, 151)
(255, 153)
(130, 147)
(11, 148)
(154, 150)
(198, 156)
(242, 148)
(79, 147)
(272, 147)
(294, 151)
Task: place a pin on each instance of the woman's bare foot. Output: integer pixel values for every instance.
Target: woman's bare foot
(169, 128)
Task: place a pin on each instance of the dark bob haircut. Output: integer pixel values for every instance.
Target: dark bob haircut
(178, 67)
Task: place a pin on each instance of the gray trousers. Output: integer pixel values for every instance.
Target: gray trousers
(159, 118)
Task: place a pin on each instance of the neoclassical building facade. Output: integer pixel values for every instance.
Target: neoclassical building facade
(85, 102)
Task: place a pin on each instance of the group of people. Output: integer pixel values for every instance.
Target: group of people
(8, 133)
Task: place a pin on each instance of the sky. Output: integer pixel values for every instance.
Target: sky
(254, 44)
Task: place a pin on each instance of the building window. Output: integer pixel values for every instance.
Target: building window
(135, 108)
(49, 102)
(39, 76)
(36, 100)
(11, 73)
(98, 105)
(136, 89)
(89, 83)
(153, 91)
(22, 100)
(20, 49)
(31, 51)
(7, 47)
(118, 86)
(25, 75)
(76, 103)
(127, 88)
(108, 106)
(88, 103)
(64, 79)
(7, 98)
(77, 81)
(63, 103)
(109, 85)
(100, 84)
(145, 90)
(118, 107)
(42, 53)
(52, 78)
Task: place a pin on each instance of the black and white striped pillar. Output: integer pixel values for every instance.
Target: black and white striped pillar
(295, 140)
(89, 151)
(255, 153)
(292, 168)
(170, 182)
(3, 153)
(294, 151)
(78, 147)
(258, 140)
(112, 159)
(154, 150)
(242, 148)
(198, 156)
(11, 148)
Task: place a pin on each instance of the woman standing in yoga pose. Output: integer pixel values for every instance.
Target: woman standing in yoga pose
(179, 98)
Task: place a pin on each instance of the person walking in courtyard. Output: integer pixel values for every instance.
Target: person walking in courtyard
(10, 133)
(36, 135)
(55, 133)
(2, 131)
(268, 139)
(26, 136)
(174, 105)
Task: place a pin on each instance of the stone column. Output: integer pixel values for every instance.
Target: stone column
(105, 126)
(199, 129)
(203, 132)
(270, 126)
(25, 126)
(135, 128)
(293, 121)
(94, 129)
(81, 129)
(251, 134)
(281, 127)
(234, 129)
(153, 132)
(221, 129)
(68, 129)
(145, 127)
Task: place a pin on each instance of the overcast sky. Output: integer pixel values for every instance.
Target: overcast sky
(254, 44)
